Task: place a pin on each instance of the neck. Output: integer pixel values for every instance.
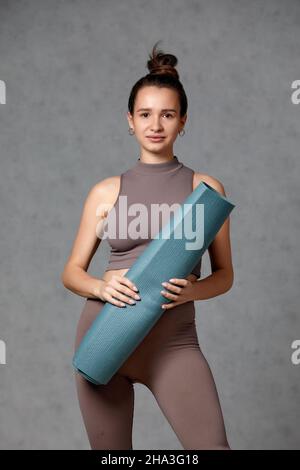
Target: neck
(156, 161)
(148, 157)
(158, 167)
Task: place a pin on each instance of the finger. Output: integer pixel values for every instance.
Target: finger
(168, 306)
(169, 295)
(129, 283)
(113, 301)
(180, 282)
(171, 287)
(126, 290)
(119, 295)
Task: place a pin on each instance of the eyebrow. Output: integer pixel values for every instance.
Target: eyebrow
(149, 109)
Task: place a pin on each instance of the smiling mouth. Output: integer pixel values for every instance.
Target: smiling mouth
(155, 138)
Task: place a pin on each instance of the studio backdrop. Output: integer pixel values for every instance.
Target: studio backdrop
(66, 70)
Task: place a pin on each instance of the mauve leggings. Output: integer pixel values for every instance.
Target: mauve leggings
(171, 365)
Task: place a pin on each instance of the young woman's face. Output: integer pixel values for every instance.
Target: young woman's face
(156, 113)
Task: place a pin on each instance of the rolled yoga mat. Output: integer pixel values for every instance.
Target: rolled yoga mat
(117, 331)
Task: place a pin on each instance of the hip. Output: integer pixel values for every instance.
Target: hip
(176, 323)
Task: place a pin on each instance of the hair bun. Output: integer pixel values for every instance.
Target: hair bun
(161, 63)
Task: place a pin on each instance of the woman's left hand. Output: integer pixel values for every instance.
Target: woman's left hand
(178, 290)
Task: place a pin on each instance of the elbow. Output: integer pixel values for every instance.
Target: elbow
(229, 281)
(228, 287)
(67, 277)
(63, 278)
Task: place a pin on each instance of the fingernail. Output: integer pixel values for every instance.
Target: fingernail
(135, 288)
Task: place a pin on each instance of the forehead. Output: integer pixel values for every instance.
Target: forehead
(156, 98)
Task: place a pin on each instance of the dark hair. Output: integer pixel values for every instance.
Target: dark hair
(162, 73)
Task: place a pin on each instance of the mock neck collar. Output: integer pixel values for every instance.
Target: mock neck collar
(162, 167)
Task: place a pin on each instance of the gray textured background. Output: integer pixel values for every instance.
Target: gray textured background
(69, 67)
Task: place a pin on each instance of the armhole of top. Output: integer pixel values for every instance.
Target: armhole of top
(120, 190)
(199, 264)
(193, 172)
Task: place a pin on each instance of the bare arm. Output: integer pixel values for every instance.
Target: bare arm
(75, 276)
(221, 279)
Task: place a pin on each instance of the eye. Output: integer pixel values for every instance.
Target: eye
(166, 114)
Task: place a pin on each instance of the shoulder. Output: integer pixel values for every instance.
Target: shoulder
(108, 185)
(104, 192)
(105, 186)
(213, 182)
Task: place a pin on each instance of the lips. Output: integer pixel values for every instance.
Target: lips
(155, 137)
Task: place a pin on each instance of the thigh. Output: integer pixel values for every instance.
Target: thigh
(184, 388)
(107, 412)
(91, 308)
(107, 409)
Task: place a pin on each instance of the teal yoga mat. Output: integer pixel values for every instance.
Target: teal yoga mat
(173, 253)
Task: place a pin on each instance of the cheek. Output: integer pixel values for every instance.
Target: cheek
(140, 128)
(173, 127)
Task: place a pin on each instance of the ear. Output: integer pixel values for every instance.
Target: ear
(183, 119)
(129, 119)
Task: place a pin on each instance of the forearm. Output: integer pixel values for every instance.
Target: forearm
(81, 283)
(217, 283)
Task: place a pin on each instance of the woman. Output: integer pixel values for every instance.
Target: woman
(169, 360)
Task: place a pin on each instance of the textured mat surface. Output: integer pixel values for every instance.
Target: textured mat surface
(117, 331)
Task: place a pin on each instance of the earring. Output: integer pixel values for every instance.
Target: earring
(182, 130)
(130, 129)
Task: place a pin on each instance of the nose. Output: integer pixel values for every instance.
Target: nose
(156, 125)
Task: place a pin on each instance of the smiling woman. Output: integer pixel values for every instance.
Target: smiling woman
(169, 360)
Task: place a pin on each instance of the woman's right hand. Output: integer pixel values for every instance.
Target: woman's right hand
(118, 290)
